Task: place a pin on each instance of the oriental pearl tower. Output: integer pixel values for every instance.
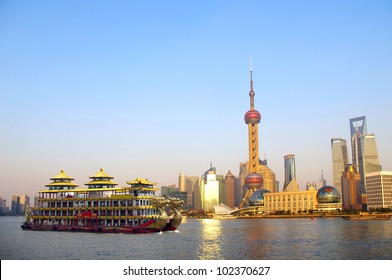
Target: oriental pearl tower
(253, 180)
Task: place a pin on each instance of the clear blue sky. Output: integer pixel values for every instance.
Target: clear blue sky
(154, 88)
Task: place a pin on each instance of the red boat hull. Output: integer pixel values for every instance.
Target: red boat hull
(94, 229)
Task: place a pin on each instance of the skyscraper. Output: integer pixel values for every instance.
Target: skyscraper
(15, 205)
(364, 150)
(209, 190)
(379, 189)
(230, 189)
(24, 203)
(269, 177)
(190, 185)
(339, 161)
(222, 189)
(368, 155)
(19, 204)
(322, 182)
(367, 160)
(358, 128)
(239, 191)
(290, 180)
(3, 207)
(351, 188)
(183, 188)
(252, 118)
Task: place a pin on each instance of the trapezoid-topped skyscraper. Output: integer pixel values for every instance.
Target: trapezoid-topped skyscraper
(358, 128)
(364, 149)
(252, 118)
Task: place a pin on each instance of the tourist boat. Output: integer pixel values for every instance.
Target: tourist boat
(367, 216)
(102, 207)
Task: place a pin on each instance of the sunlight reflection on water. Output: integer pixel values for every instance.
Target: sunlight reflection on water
(210, 244)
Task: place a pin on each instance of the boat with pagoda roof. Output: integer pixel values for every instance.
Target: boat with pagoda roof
(102, 207)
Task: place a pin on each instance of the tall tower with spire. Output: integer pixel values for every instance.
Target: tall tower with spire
(252, 118)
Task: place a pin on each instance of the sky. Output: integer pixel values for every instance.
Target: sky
(154, 88)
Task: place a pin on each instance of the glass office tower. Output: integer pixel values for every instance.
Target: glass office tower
(368, 160)
(290, 180)
(358, 128)
(339, 161)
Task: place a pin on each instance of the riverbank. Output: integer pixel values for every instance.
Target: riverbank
(292, 216)
(305, 216)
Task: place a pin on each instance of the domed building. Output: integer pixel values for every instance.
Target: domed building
(328, 199)
(257, 198)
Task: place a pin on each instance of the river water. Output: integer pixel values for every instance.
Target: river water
(240, 239)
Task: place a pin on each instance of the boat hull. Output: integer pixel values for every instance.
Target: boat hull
(92, 229)
(173, 224)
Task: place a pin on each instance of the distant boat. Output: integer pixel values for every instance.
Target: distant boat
(367, 216)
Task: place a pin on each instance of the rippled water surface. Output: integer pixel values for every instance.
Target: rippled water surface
(273, 239)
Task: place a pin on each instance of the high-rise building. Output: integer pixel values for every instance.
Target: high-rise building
(197, 197)
(173, 192)
(368, 160)
(19, 204)
(322, 182)
(379, 189)
(189, 184)
(181, 182)
(209, 190)
(15, 205)
(184, 187)
(252, 118)
(241, 190)
(3, 207)
(222, 189)
(24, 203)
(290, 180)
(364, 150)
(168, 190)
(358, 128)
(230, 189)
(351, 188)
(339, 161)
(194, 182)
(269, 177)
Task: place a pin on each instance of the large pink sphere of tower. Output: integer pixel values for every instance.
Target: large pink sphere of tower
(252, 117)
(254, 181)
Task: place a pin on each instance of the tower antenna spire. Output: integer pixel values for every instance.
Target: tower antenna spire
(251, 70)
(251, 92)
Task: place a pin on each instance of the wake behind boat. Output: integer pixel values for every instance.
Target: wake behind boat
(102, 207)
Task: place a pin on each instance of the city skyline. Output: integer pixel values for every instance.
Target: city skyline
(157, 94)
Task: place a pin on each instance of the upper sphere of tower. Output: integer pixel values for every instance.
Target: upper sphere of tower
(252, 117)
(254, 181)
